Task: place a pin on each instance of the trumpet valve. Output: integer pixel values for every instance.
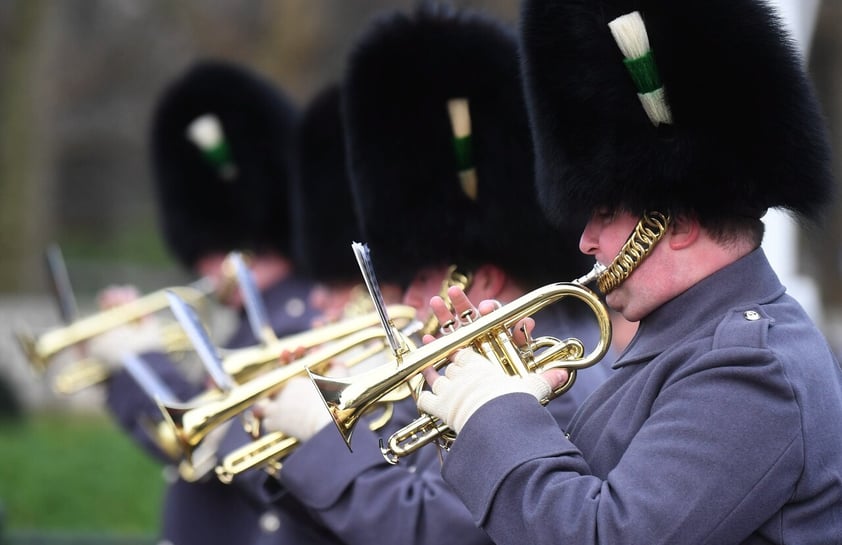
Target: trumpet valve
(266, 451)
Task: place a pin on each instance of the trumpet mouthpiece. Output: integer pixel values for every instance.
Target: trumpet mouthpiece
(591, 276)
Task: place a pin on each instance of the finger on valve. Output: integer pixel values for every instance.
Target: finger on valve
(522, 331)
(465, 311)
(443, 315)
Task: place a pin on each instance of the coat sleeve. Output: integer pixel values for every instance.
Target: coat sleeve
(708, 465)
(363, 499)
(134, 411)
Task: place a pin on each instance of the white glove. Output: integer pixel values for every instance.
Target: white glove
(133, 338)
(297, 411)
(469, 383)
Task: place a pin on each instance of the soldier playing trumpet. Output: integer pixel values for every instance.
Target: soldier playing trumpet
(219, 137)
(672, 129)
(408, 158)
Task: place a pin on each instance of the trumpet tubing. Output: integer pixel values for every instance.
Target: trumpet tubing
(78, 375)
(268, 450)
(427, 429)
(247, 363)
(350, 397)
(261, 452)
(191, 422)
(42, 349)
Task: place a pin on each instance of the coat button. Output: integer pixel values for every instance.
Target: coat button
(295, 307)
(170, 474)
(751, 315)
(269, 522)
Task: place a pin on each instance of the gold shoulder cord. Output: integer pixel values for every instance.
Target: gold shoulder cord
(649, 230)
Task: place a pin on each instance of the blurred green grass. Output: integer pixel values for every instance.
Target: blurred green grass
(76, 472)
(138, 242)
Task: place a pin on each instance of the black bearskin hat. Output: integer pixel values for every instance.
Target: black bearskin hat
(746, 132)
(219, 138)
(412, 171)
(324, 222)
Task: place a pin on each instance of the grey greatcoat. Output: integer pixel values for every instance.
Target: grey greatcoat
(365, 501)
(209, 512)
(720, 424)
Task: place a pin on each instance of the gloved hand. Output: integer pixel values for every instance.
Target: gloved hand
(297, 411)
(471, 381)
(133, 338)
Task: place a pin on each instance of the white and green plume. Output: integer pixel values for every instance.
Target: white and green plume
(460, 123)
(629, 32)
(206, 133)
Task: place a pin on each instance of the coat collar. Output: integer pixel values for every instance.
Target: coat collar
(749, 280)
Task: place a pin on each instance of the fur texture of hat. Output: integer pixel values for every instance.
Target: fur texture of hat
(202, 211)
(322, 209)
(404, 169)
(747, 131)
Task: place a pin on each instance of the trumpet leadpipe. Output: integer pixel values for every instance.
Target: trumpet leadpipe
(247, 363)
(42, 349)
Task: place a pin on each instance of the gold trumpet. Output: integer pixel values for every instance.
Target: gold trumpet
(190, 423)
(40, 351)
(244, 364)
(268, 451)
(349, 398)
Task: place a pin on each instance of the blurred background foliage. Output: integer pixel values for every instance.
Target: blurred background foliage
(78, 80)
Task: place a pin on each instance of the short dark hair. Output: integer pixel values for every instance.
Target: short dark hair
(732, 229)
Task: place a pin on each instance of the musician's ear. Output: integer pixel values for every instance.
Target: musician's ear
(683, 231)
(488, 283)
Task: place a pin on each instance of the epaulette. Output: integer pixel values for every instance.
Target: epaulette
(744, 327)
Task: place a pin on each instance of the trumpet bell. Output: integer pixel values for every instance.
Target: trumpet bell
(41, 350)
